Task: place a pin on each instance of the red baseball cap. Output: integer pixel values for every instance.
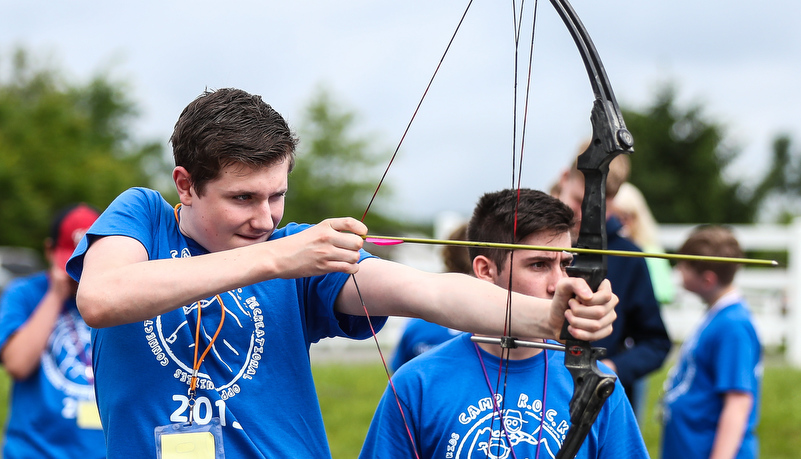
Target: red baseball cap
(68, 230)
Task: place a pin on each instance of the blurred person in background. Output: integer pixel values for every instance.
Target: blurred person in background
(640, 227)
(45, 347)
(639, 343)
(712, 394)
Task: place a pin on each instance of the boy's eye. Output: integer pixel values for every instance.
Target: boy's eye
(242, 197)
(278, 197)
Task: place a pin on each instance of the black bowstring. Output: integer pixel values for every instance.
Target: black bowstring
(370, 203)
(517, 21)
(517, 170)
(414, 115)
(386, 368)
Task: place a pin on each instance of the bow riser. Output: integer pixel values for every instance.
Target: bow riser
(609, 139)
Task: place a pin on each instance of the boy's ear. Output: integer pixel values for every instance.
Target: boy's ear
(484, 268)
(709, 278)
(183, 184)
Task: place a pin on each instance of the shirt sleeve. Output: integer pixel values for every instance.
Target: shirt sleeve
(128, 215)
(735, 365)
(17, 304)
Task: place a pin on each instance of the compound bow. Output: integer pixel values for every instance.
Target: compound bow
(609, 139)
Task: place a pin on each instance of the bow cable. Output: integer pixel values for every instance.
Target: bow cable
(369, 205)
(417, 109)
(507, 342)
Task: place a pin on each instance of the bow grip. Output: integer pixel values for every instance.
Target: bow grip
(592, 388)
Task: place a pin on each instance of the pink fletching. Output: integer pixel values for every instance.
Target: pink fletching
(377, 241)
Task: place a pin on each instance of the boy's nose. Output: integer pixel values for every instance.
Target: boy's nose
(262, 220)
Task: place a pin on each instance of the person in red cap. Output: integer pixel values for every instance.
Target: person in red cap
(45, 347)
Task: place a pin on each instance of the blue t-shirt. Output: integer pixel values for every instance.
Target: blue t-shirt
(256, 379)
(46, 413)
(419, 336)
(723, 355)
(448, 404)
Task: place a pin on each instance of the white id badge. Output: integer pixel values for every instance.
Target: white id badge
(190, 441)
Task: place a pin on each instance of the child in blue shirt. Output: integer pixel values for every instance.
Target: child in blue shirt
(712, 394)
(45, 348)
(453, 404)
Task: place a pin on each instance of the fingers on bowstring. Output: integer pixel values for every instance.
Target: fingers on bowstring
(348, 224)
(347, 268)
(345, 233)
(353, 231)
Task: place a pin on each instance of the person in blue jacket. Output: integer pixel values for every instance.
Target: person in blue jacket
(45, 348)
(712, 394)
(639, 343)
(203, 313)
(466, 400)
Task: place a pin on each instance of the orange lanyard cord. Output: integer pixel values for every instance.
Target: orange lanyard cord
(197, 362)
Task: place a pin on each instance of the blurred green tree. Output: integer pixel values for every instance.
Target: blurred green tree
(679, 163)
(336, 170)
(64, 142)
(782, 182)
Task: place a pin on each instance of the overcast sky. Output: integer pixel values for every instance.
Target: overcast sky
(741, 60)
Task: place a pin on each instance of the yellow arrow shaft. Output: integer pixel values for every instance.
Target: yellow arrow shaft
(617, 253)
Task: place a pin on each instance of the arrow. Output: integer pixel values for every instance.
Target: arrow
(392, 240)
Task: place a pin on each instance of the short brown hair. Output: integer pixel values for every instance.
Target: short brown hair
(713, 240)
(456, 257)
(497, 214)
(229, 126)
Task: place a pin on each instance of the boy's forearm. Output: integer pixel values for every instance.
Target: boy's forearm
(453, 300)
(732, 424)
(135, 289)
(466, 303)
(120, 285)
(23, 350)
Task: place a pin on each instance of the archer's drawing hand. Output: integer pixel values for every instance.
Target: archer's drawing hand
(330, 246)
(589, 314)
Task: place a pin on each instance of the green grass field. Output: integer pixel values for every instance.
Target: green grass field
(349, 393)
